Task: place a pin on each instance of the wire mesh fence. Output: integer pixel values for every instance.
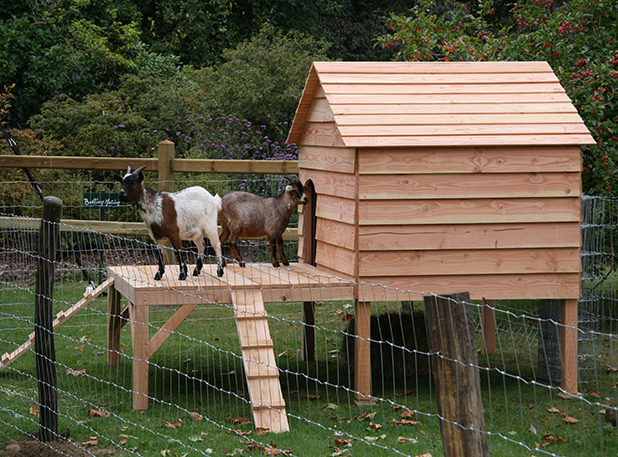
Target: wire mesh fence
(201, 393)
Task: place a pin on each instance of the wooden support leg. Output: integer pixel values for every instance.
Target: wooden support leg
(308, 342)
(362, 364)
(139, 315)
(488, 324)
(568, 341)
(114, 324)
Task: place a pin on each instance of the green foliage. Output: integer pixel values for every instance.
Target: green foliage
(578, 38)
(263, 78)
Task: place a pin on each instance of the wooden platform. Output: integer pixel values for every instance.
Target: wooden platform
(247, 289)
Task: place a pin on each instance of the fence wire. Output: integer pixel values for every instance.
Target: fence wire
(201, 398)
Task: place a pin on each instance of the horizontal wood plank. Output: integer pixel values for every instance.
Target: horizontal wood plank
(320, 111)
(470, 160)
(321, 134)
(470, 262)
(336, 209)
(450, 108)
(438, 98)
(336, 233)
(469, 140)
(490, 287)
(485, 118)
(412, 78)
(431, 67)
(478, 185)
(477, 211)
(336, 184)
(331, 159)
(460, 130)
(469, 236)
(335, 258)
(444, 88)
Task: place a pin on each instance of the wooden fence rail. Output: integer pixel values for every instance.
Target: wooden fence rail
(165, 165)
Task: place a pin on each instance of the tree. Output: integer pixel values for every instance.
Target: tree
(578, 38)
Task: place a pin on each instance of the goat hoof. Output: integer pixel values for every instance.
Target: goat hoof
(182, 276)
(219, 272)
(276, 265)
(242, 264)
(158, 276)
(286, 263)
(196, 272)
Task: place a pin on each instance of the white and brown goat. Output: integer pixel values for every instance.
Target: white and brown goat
(190, 214)
(248, 215)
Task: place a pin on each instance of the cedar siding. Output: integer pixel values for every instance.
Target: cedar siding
(442, 177)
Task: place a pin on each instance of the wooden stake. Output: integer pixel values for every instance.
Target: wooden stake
(452, 341)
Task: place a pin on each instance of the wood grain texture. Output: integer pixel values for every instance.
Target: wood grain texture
(513, 159)
(505, 287)
(485, 185)
(336, 209)
(469, 236)
(477, 262)
(336, 233)
(336, 258)
(342, 185)
(340, 160)
(478, 211)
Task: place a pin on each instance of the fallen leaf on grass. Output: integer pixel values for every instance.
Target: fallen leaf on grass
(242, 433)
(373, 439)
(570, 420)
(611, 369)
(312, 396)
(407, 392)
(373, 426)
(80, 372)
(424, 454)
(538, 445)
(553, 409)
(343, 443)
(97, 413)
(262, 430)
(176, 424)
(240, 420)
(365, 415)
(406, 422)
(405, 439)
(196, 416)
(332, 406)
(407, 414)
(92, 442)
(551, 438)
(34, 411)
(123, 441)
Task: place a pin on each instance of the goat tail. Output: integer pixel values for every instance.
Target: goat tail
(218, 202)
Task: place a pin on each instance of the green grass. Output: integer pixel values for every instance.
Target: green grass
(199, 370)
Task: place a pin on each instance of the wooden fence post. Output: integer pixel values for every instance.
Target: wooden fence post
(454, 364)
(166, 183)
(166, 175)
(43, 319)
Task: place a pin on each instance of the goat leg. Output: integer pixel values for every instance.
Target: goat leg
(182, 266)
(236, 254)
(201, 249)
(284, 259)
(273, 252)
(161, 271)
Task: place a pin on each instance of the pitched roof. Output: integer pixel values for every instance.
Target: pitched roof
(379, 104)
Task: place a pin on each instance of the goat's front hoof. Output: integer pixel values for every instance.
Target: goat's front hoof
(276, 264)
(196, 272)
(286, 263)
(182, 276)
(242, 264)
(220, 271)
(158, 276)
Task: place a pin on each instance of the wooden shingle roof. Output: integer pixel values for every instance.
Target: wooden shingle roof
(382, 104)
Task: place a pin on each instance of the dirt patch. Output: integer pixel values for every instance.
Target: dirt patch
(34, 448)
(62, 447)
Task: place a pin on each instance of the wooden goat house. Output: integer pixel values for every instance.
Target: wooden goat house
(440, 177)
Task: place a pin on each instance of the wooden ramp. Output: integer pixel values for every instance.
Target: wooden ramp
(259, 360)
(61, 318)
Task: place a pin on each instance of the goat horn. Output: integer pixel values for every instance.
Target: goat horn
(128, 169)
(140, 169)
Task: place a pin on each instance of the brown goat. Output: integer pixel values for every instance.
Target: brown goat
(248, 215)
